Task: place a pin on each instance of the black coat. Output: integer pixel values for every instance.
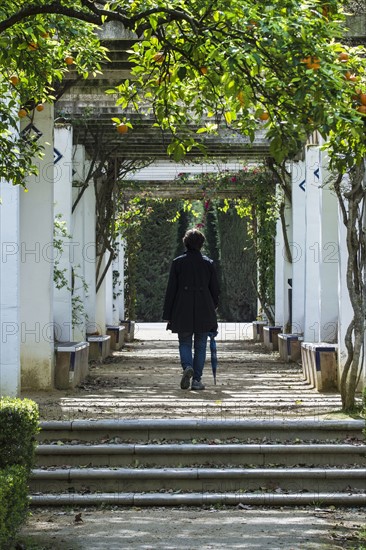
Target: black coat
(192, 294)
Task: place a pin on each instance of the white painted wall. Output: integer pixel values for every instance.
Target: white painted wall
(9, 290)
(62, 206)
(298, 247)
(36, 268)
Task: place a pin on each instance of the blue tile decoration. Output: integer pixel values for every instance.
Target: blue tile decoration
(57, 156)
(31, 130)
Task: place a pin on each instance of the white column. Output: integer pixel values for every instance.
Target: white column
(298, 247)
(101, 300)
(84, 242)
(36, 255)
(118, 284)
(344, 304)
(329, 258)
(89, 255)
(312, 244)
(9, 290)
(109, 316)
(63, 204)
(283, 272)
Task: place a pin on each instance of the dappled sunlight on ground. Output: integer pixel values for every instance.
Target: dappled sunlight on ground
(143, 380)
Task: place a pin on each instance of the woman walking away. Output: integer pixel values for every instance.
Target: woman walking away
(190, 306)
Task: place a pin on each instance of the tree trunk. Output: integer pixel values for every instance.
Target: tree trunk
(352, 202)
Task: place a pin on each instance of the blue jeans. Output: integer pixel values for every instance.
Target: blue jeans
(185, 351)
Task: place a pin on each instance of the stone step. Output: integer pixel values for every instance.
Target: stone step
(192, 462)
(268, 499)
(187, 454)
(198, 479)
(147, 430)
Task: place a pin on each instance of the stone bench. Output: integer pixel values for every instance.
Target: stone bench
(71, 365)
(289, 347)
(117, 334)
(130, 330)
(270, 337)
(319, 365)
(258, 330)
(100, 347)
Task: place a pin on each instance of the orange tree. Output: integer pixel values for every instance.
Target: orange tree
(279, 65)
(275, 64)
(36, 49)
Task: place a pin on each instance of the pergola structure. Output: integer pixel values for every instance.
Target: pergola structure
(71, 132)
(85, 104)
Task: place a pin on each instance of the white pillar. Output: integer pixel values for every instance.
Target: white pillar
(89, 255)
(9, 290)
(283, 272)
(36, 270)
(118, 284)
(312, 244)
(298, 247)
(329, 258)
(83, 236)
(101, 300)
(63, 204)
(109, 316)
(344, 303)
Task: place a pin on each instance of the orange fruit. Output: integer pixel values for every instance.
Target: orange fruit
(14, 79)
(32, 46)
(22, 113)
(40, 107)
(343, 56)
(350, 76)
(362, 109)
(314, 64)
(122, 128)
(363, 99)
(203, 70)
(69, 60)
(241, 97)
(159, 57)
(264, 116)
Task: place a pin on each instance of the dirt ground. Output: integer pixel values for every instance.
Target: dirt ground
(142, 381)
(192, 528)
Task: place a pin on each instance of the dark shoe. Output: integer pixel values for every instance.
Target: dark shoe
(197, 385)
(186, 378)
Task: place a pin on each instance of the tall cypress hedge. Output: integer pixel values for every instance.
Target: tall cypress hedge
(212, 245)
(158, 244)
(238, 268)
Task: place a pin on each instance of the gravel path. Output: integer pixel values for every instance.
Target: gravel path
(142, 381)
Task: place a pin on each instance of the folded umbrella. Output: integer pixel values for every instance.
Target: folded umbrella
(213, 350)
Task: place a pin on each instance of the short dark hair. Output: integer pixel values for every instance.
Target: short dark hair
(193, 239)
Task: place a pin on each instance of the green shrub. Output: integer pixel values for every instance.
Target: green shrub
(13, 502)
(19, 423)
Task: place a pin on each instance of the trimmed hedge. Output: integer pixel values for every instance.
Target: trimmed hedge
(13, 502)
(19, 424)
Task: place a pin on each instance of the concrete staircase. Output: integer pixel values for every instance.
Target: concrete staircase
(194, 462)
